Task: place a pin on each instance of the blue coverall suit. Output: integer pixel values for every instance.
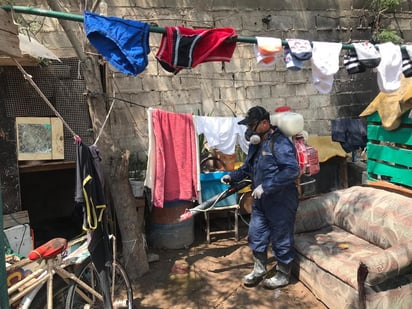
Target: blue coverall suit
(273, 215)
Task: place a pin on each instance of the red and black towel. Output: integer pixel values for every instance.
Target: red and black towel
(184, 48)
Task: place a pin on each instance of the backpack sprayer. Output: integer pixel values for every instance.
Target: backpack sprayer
(210, 203)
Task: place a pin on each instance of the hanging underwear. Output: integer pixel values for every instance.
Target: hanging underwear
(184, 48)
(123, 43)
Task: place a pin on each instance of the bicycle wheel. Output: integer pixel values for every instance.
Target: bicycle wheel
(78, 297)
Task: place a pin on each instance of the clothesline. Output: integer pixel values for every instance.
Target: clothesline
(390, 60)
(80, 18)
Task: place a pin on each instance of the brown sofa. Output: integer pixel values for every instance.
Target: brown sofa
(354, 248)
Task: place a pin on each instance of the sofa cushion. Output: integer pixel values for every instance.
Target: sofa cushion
(381, 217)
(336, 251)
(316, 212)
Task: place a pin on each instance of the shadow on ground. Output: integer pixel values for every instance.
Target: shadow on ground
(209, 276)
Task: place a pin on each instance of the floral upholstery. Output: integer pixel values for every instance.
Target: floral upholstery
(359, 241)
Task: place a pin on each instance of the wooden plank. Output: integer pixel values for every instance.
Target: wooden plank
(8, 36)
(17, 218)
(390, 187)
(396, 175)
(57, 139)
(399, 136)
(390, 154)
(376, 118)
(24, 61)
(45, 167)
(405, 118)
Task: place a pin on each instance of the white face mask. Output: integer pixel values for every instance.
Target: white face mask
(251, 136)
(254, 139)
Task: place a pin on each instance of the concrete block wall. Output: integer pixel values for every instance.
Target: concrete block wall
(225, 89)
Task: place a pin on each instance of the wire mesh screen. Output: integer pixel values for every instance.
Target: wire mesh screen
(63, 85)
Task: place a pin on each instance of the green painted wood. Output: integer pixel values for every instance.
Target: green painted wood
(376, 118)
(399, 136)
(398, 175)
(390, 154)
(4, 298)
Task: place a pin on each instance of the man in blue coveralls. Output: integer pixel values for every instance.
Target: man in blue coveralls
(272, 166)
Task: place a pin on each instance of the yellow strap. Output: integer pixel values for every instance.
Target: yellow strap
(102, 208)
(90, 211)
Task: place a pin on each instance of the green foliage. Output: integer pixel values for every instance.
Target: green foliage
(384, 5)
(388, 36)
(137, 167)
(379, 34)
(204, 150)
(240, 155)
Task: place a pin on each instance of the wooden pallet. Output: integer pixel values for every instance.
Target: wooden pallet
(390, 152)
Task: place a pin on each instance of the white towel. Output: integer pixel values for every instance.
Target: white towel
(390, 68)
(151, 154)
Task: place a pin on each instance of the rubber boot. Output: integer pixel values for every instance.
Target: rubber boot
(259, 269)
(281, 278)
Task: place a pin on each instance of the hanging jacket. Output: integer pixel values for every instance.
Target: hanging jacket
(90, 196)
(89, 185)
(273, 171)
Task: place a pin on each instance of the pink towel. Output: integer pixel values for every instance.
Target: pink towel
(176, 157)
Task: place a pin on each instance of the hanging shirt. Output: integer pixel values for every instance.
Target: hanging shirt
(222, 133)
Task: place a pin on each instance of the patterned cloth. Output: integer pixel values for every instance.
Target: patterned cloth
(343, 233)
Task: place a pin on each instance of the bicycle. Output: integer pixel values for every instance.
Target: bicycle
(76, 284)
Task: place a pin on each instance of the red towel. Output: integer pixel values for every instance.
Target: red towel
(176, 157)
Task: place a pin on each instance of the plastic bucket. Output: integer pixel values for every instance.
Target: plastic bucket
(166, 231)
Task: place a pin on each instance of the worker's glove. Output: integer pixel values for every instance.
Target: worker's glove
(226, 179)
(257, 193)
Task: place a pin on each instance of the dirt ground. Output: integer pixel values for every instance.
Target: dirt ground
(209, 276)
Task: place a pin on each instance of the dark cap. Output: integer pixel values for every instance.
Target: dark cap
(254, 115)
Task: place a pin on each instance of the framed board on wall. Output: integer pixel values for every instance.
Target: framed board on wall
(39, 138)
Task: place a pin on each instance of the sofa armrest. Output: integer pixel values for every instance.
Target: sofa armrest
(389, 263)
(316, 212)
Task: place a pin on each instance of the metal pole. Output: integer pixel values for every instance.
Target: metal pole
(4, 298)
(79, 18)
